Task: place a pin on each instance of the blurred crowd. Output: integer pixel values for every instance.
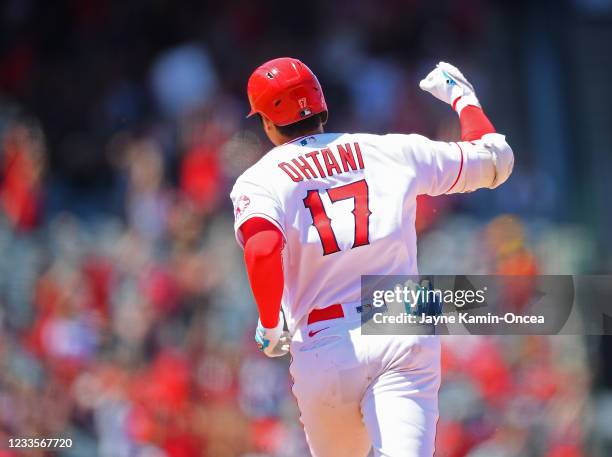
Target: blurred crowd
(126, 319)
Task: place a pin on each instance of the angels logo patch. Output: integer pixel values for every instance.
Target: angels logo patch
(242, 204)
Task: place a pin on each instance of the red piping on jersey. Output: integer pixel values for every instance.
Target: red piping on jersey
(460, 170)
(474, 125)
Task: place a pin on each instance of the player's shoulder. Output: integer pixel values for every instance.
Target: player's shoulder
(261, 173)
(392, 144)
(404, 138)
(388, 138)
(254, 175)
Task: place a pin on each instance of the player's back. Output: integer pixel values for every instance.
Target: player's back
(346, 206)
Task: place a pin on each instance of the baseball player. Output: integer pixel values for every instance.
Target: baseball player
(321, 209)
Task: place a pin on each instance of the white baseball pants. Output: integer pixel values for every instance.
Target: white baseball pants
(361, 392)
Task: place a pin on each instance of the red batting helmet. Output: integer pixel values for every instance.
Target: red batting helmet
(285, 91)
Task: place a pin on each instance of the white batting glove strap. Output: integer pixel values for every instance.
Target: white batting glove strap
(273, 342)
(447, 83)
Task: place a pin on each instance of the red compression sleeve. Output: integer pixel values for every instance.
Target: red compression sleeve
(263, 244)
(474, 123)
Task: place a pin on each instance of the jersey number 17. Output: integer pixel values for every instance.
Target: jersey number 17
(358, 191)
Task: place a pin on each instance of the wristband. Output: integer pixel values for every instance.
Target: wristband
(465, 100)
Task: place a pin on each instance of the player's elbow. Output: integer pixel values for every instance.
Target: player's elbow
(488, 164)
(503, 158)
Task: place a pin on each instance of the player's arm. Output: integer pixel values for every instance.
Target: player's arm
(482, 160)
(474, 123)
(263, 245)
(260, 234)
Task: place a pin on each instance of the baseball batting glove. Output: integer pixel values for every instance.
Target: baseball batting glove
(274, 342)
(427, 302)
(447, 83)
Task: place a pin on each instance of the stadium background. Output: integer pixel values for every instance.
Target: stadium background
(126, 319)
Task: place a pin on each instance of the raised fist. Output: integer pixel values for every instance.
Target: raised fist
(447, 83)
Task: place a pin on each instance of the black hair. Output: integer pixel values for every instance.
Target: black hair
(303, 127)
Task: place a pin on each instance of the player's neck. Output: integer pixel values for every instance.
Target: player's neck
(289, 139)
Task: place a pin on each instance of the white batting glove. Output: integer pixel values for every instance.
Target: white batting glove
(447, 83)
(274, 342)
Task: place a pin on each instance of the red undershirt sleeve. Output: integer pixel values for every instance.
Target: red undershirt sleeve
(474, 123)
(263, 245)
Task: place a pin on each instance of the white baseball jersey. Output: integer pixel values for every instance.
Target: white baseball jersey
(346, 206)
